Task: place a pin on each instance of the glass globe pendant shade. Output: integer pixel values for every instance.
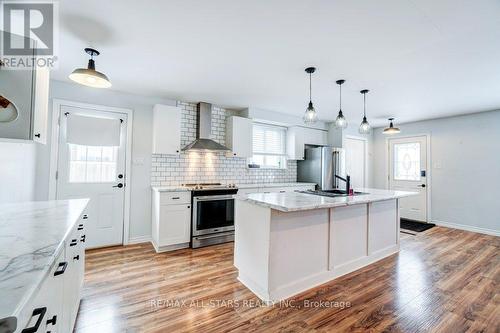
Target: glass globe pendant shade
(340, 121)
(310, 116)
(364, 128)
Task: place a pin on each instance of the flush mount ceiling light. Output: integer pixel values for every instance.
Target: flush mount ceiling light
(310, 117)
(364, 128)
(89, 76)
(340, 121)
(391, 129)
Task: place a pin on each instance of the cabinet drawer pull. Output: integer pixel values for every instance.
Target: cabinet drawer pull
(61, 269)
(80, 227)
(85, 217)
(52, 321)
(37, 312)
(73, 242)
(282, 191)
(82, 239)
(77, 257)
(175, 198)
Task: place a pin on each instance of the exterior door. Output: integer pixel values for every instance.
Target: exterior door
(407, 172)
(95, 172)
(355, 161)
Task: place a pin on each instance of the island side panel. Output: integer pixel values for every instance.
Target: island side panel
(383, 228)
(251, 246)
(298, 251)
(349, 237)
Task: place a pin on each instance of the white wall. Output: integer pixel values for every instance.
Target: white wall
(140, 175)
(465, 160)
(17, 171)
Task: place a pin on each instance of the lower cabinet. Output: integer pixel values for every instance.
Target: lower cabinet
(171, 222)
(54, 307)
(270, 189)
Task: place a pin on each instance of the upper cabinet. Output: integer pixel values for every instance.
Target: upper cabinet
(24, 98)
(239, 136)
(298, 137)
(166, 129)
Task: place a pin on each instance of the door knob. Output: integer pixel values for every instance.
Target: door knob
(120, 185)
(423, 185)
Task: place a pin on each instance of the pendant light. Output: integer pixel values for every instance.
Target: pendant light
(310, 117)
(391, 129)
(89, 76)
(364, 128)
(340, 121)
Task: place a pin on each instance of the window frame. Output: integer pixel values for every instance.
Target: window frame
(282, 157)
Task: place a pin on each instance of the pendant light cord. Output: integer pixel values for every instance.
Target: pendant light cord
(310, 89)
(364, 105)
(340, 86)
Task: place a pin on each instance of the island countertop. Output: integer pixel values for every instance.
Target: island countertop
(31, 235)
(296, 201)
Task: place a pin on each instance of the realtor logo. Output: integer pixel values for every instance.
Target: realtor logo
(28, 29)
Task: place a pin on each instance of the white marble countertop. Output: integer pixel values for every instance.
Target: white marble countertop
(180, 188)
(31, 235)
(267, 185)
(296, 201)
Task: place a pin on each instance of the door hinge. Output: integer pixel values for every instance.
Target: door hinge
(57, 175)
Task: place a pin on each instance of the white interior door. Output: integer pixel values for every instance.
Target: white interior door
(407, 172)
(95, 172)
(355, 161)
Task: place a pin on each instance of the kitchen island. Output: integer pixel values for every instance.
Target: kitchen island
(286, 243)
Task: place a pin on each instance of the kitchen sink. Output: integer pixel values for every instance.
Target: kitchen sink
(332, 193)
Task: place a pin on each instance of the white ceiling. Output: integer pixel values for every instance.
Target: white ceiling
(420, 58)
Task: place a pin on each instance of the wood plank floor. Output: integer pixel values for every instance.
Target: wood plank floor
(443, 280)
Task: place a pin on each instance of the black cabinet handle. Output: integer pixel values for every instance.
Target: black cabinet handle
(38, 135)
(82, 239)
(73, 242)
(175, 198)
(61, 269)
(37, 312)
(119, 185)
(77, 257)
(80, 227)
(85, 217)
(52, 321)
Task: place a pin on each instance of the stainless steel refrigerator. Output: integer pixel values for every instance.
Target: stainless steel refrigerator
(320, 166)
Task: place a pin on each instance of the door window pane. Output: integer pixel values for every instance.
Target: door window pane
(407, 161)
(90, 164)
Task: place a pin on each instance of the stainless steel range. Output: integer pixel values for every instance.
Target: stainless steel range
(213, 213)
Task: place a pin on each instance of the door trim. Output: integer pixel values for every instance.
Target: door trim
(365, 140)
(428, 166)
(54, 153)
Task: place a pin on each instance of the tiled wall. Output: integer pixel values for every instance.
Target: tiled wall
(195, 167)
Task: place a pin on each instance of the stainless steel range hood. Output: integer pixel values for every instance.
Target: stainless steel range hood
(204, 130)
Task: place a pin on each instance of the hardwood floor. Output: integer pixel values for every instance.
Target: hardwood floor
(443, 280)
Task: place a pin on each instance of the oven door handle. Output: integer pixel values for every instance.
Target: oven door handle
(214, 197)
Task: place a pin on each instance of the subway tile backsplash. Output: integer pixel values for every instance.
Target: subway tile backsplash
(194, 167)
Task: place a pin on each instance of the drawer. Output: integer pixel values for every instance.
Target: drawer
(175, 198)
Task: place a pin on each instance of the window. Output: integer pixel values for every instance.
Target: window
(269, 148)
(407, 161)
(91, 164)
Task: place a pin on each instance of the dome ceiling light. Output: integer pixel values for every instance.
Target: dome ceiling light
(89, 76)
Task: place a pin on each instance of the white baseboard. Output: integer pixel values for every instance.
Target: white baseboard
(467, 228)
(140, 239)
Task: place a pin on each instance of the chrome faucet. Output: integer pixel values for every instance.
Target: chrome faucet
(347, 180)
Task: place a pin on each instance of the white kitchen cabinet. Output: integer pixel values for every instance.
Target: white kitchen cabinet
(171, 221)
(41, 104)
(275, 189)
(239, 136)
(298, 137)
(166, 129)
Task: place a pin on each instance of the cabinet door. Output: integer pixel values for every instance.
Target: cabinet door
(175, 224)
(47, 306)
(40, 105)
(166, 130)
(239, 136)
